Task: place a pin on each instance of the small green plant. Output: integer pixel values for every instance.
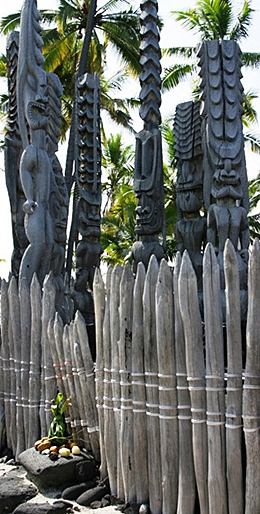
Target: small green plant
(58, 433)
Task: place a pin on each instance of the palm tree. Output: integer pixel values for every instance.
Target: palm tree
(210, 19)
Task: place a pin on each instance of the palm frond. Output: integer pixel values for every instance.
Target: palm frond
(250, 114)
(180, 51)
(254, 140)
(240, 29)
(250, 59)
(3, 66)
(174, 74)
(10, 22)
(122, 32)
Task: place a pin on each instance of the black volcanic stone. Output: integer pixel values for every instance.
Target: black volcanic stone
(41, 508)
(46, 473)
(14, 491)
(74, 491)
(92, 495)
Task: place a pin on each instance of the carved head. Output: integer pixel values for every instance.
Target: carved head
(149, 215)
(31, 78)
(89, 220)
(227, 182)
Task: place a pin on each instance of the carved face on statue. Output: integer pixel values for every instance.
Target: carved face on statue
(148, 216)
(36, 101)
(190, 200)
(89, 220)
(226, 182)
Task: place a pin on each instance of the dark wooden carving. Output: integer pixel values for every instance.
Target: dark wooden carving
(225, 177)
(88, 191)
(13, 151)
(190, 230)
(148, 175)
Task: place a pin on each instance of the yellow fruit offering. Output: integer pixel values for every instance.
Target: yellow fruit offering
(64, 452)
(44, 445)
(75, 450)
(54, 449)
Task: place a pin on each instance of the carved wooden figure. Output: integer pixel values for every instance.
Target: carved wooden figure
(35, 165)
(190, 230)
(88, 191)
(225, 178)
(13, 151)
(148, 175)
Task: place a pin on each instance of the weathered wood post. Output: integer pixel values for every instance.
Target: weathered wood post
(152, 392)
(186, 501)
(79, 398)
(85, 368)
(15, 345)
(25, 316)
(115, 376)
(109, 419)
(167, 388)
(55, 357)
(214, 384)
(35, 362)
(189, 306)
(2, 406)
(99, 303)
(139, 392)
(58, 335)
(48, 383)
(251, 404)
(74, 412)
(125, 365)
(234, 384)
(6, 360)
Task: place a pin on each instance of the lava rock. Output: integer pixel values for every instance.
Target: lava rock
(105, 502)
(95, 494)
(41, 508)
(14, 491)
(74, 491)
(85, 470)
(46, 473)
(96, 505)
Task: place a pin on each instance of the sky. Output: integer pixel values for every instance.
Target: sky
(173, 34)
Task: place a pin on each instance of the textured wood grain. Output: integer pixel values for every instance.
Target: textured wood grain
(215, 384)
(186, 501)
(189, 306)
(234, 432)
(167, 388)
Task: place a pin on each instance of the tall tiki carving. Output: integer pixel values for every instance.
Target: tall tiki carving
(148, 174)
(46, 200)
(190, 230)
(13, 151)
(88, 191)
(225, 176)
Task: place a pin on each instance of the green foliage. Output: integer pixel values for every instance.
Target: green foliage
(211, 19)
(58, 433)
(118, 226)
(254, 198)
(214, 19)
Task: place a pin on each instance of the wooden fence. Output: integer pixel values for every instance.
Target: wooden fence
(178, 407)
(179, 413)
(39, 356)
